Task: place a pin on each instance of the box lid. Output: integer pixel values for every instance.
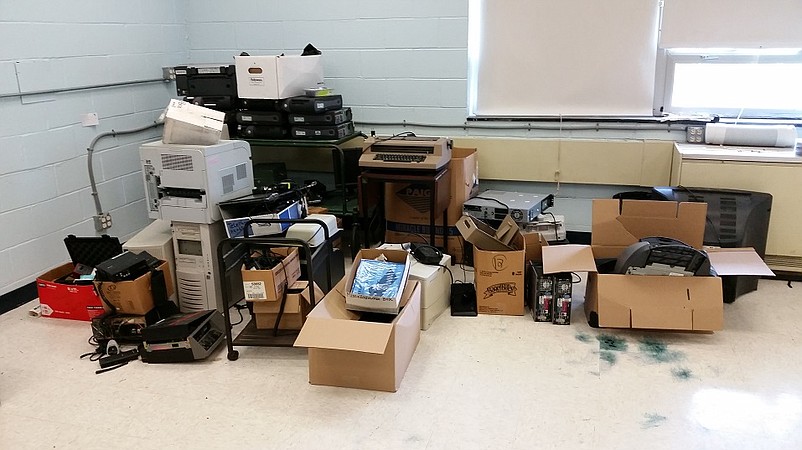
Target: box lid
(568, 258)
(617, 224)
(737, 261)
(92, 250)
(329, 325)
(480, 234)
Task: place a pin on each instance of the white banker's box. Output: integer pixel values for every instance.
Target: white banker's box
(277, 77)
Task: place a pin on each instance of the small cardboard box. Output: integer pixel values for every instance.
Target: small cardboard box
(268, 285)
(377, 303)
(499, 278)
(134, 296)
(349, 352)
(277, 77)
(296, 308)
(185, 123)
(67, 301)
(651, 301)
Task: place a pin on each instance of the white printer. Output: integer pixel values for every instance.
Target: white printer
(186, 182)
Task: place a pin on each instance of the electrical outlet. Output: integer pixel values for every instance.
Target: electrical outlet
(168, 73)
(102, 221)
(695, 134)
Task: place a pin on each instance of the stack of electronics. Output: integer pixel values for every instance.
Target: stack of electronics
(262, 119)
(211, 86)
(184, 185)
(318, 115)
(527, 210)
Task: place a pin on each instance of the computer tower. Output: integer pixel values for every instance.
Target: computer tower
(197, 267)
(734, 219)
(156, 239)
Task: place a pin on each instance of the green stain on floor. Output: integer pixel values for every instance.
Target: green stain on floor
(608, 356)
(652, 420)
(613, 343)
(681, 373)
(582, 337)
(658, 351)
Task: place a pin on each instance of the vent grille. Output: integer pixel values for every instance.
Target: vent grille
(242, 171)
(176, 162)
(728, 219)
(190, 295)
(784, 263)
(228, 183)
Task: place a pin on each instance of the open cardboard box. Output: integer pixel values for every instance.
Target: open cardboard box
(296, 308)
(376, 303)
(267, 285)
(349, 352)
(185, 123)
(650, 301)
(134, 296)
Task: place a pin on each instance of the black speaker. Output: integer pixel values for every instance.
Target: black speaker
(463, 299)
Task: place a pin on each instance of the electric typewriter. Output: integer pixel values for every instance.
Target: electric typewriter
(406, 152)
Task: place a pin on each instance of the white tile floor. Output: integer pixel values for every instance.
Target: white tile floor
(486, 382)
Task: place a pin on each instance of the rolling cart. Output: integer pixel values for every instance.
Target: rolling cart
(231, 253)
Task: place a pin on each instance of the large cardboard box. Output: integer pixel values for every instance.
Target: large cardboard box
(296, 308)
(67, 301)
(651, 301)
(378, 302)
(277, 77)
(134, 296)
(185, 123)
(407, 205)
(267, 285)
(349, 352)
(499, 278)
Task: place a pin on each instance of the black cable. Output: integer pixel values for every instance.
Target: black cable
(578, 276)
(554, 222)
(507, 208)
(450, 275)
(401, 134)
(239, 309)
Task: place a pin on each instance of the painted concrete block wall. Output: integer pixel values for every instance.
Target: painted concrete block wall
(391, 61)
(44, 184)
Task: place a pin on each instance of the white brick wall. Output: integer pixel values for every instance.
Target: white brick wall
(44, 184)
(391, 61)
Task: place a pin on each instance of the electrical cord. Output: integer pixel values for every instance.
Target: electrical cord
(507, 208)
(378, 140)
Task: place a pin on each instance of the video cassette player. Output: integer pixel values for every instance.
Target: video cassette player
(263, 132)
(313, 105)
(495, 205)
(260, 104)
(326, 118)
(261, 118)
(323, 132)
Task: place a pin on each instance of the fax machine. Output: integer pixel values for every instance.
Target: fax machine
(186, 182)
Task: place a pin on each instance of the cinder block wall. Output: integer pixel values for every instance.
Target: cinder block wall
(391, 61)
(44, 183)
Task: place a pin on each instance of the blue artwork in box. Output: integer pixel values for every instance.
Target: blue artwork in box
(378, 278)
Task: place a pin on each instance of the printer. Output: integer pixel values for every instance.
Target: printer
(186, 182)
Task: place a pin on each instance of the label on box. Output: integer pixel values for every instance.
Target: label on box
(254, 290)
(45, 310)
(256, 81)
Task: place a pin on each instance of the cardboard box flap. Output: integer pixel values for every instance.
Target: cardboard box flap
(332, 305)
(352, 335)
(480, 234)
(643, 218)
(568, 258)
(737, 261)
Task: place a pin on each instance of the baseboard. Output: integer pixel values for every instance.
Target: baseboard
(18, 297)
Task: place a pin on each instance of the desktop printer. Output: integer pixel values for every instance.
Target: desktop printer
(186, 182)
(406, 152)
(182, 337)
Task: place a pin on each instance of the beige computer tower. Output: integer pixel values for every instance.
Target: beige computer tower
(156, 239)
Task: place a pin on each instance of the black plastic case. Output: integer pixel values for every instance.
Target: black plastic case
(91, 251)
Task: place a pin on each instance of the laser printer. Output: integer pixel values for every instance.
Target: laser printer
(186, 182)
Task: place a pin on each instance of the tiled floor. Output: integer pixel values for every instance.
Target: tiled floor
(487, 382)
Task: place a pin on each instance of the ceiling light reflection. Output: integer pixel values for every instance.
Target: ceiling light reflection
(743, 412)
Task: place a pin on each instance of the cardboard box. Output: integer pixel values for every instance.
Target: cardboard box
(381, 303)
(67, 301)
(185, 123)
(617, 224)
(499, 278)
(268, 285)
(407, 212)
(134, 296)
(296, 308)
(346, 351)
(650, 301)
(277, 77)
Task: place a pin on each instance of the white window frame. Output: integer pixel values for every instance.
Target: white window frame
(668, 59)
